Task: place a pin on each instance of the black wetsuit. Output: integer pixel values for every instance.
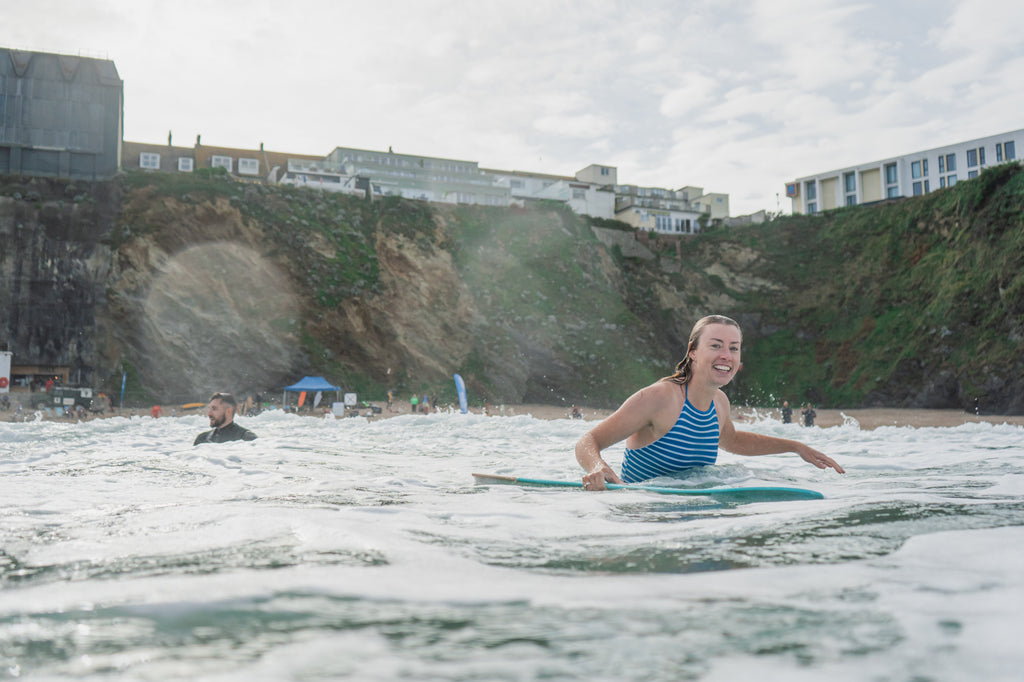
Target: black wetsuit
(224, 434)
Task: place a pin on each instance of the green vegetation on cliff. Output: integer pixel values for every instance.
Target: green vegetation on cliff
(916, 302)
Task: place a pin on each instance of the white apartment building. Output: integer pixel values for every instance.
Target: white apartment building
(420, 177)
(592, 191)
(315, 174)
(586, 193)
(902, 176)
(669, 211)
(524, 185)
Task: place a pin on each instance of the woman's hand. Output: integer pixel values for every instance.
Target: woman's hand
(596, 480)
(818, 459)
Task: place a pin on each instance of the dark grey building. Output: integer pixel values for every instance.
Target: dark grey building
(60, 115)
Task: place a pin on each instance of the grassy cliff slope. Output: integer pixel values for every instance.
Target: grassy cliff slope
(208, 284)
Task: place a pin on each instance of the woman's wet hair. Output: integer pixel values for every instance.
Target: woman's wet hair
(684, 370)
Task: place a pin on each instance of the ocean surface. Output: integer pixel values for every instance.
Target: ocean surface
(348, 549)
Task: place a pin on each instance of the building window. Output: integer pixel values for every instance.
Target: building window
(811, 190)
(892, 189)
(221, 162)
(248, 167)
(149, 160)
(605, 171)
(812, 207)
(579, 194)
(1010, 149)
(850, 185)
(972, 158)
(917, 188)
(947, 166)
(972, 174)
(919, 169)
(517, 184)
(185, 165)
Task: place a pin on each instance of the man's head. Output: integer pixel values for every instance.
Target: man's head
(221, 409)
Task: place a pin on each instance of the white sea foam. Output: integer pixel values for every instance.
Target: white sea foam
(363, 549)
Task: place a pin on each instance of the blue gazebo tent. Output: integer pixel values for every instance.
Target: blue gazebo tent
(309, 385)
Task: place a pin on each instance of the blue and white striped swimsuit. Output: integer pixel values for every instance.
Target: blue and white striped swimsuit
(691, 442)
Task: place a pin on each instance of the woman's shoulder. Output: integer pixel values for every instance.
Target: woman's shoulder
(665, 387)
(655, 394)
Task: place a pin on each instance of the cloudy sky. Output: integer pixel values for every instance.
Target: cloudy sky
(735, 96)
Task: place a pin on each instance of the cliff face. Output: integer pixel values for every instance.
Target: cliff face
(194, 284)
(194, 303)
(53, 270)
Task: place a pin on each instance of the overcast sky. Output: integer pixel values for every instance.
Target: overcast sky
(729, 95)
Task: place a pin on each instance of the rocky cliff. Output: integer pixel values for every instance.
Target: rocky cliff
(195, 283)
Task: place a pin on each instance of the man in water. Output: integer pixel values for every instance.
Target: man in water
(221, 412)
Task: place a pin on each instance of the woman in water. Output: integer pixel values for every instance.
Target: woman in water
(680, 421)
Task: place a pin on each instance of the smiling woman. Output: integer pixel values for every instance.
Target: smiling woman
(680, 421)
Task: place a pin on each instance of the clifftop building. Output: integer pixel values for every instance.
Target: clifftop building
(902, 176)
(420, 177)
(60, 115)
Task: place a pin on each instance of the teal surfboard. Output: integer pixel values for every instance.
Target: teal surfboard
(741, 494)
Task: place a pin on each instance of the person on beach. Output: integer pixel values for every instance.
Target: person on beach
(680, 421)
(809, 414)
(787, 413)
(221, 412)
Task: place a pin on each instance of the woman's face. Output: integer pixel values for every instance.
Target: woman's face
(717, 356)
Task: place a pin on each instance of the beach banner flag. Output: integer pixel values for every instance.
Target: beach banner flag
(460, 388)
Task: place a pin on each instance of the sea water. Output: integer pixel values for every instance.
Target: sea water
(363, 550)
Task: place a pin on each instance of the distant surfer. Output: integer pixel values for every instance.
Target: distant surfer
(680, 421)
(787, 413)
(221, 411)
(809, 414)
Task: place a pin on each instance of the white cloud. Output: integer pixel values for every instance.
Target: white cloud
(693, 92)
(578, 125)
